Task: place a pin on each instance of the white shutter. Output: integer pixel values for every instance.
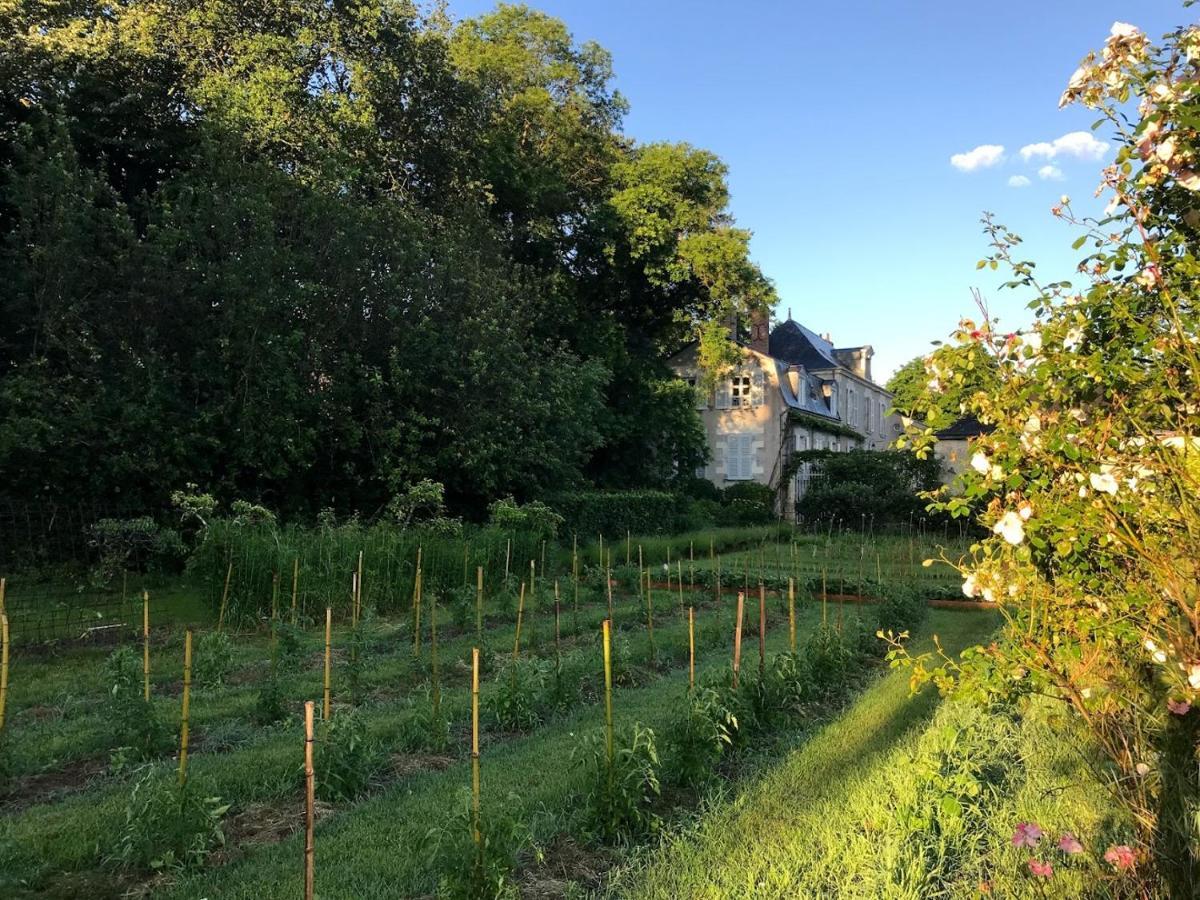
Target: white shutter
(757, 391)
(739, 457)
(723, 394)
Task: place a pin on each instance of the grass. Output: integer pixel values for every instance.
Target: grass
(896, 800)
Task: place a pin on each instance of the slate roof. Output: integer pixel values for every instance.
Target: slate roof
(965, 428)
(796, 345)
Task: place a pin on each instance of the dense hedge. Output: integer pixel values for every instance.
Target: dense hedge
(871, 486)
(618, 512)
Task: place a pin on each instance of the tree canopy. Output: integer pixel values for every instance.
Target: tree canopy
(305, 253)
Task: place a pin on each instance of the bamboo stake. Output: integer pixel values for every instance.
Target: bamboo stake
(475, 753)
(479, 604)
(3, 586)
(274, 596)
(533, 584)
(543, 558)
(628, 539)
(737, 639)
(650, 620)
(224, 598)
(507, 559)
(417, 588)
(3, 667)
(326, 705)
(792, 614)
(824, 600)
(575, 579)
(434, 672)
(608, 713)
(608, 585)
(557, 634)
(309, 800)
(358, 588)
(187, 698)
(762, 631)
(146, 645)
(679, 568)
(520, 611)
(691, 648)
(295, 585)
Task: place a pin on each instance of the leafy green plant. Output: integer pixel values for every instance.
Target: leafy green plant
(213, 659)
(471, 870)
(620, 797)
(270, 706)
(346, 757)
(137, 730)
(699, 738)
(516, 702)
(168, 826)
(423, 731)
(289, 647)
(138, 545)
(828, 659)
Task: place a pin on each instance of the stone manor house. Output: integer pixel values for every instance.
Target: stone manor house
(793, 390)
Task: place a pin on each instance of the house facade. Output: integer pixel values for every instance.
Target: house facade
(792, 391)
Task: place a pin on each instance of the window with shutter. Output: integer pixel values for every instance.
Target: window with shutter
(723, 394)
(739, 457)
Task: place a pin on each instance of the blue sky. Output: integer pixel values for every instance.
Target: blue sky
(838, 122)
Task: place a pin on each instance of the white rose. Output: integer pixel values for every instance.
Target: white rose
(1011, 528)
(1123, 30)
(969, 587)
(1103, 482)
(980, 463)
(1194, 678)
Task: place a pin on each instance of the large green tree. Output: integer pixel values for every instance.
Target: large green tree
(311, 251)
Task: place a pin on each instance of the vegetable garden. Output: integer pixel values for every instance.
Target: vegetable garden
(605, 703)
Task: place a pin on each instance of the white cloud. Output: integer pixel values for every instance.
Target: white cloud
(1079, 144)
(1050, 173)
(1018, 181)
(981, 157)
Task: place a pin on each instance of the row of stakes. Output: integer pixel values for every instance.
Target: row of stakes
(309, 706)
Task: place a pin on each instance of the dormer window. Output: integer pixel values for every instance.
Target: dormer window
(741, 391)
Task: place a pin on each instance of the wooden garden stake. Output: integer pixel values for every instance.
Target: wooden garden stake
(650, 620)
(824, 601)
(295, 585)
(762, 631)
(274, 596)
(146, 645)
(224, 598)
(475, 752)
(3, 666)
(668, 568)
(608, 585)
(691, 648)
(325, 705)
(3, 584)
(479, 604)
(533, 584)
(309, 800)
(792, 614)
(575, 578)
(520, 611)
(187, 699)
(628, 539)
(557, 634)
(679, 569)
(436, 692)
(507, 559)
(737, 639)
(543, 558)
(417, 609)
(608, 713)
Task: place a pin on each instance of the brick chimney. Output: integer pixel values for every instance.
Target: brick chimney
(760, 331)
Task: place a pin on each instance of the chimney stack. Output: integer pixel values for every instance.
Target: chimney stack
(760, 331)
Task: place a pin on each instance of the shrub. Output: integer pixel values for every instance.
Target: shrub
(423, 731)
(289, 647)
(620, 802)
(213, 660)
(868, 486)
(828, 659)
(134, 545)
(168, 826)
(699, 738)
(346, 757)
(134, 722)
(535, 518)
(616, 513)
(747, 503)
(270, 707)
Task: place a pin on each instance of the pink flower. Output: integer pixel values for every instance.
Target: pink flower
(1119, 856)
(1179, 707)
(1041, 869)
(1068, 843)
(1026, 835)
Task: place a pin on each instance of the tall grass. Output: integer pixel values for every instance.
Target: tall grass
(327, 558)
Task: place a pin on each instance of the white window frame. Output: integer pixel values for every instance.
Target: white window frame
(741, 391)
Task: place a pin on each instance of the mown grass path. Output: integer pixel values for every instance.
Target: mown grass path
(753, 845)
